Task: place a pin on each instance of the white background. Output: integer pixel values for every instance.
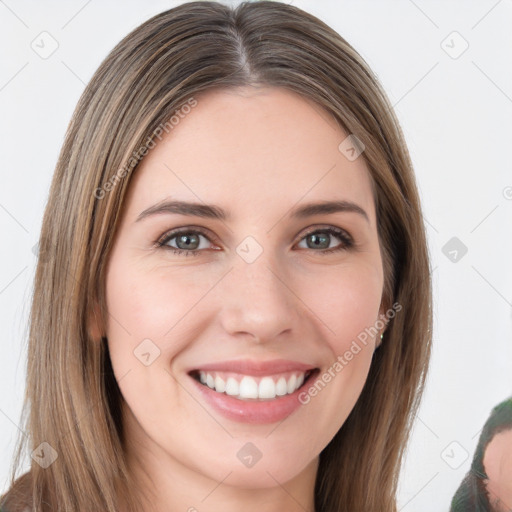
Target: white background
(456, 114)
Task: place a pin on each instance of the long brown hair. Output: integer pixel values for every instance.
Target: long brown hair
(72, 398)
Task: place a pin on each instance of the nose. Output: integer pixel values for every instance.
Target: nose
(257, 300)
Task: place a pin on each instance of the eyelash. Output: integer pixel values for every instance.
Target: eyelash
(347, 242)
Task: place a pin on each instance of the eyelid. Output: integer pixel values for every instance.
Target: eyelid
(168, 235)
(328, 227)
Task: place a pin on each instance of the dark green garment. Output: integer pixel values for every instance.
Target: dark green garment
(471, 496)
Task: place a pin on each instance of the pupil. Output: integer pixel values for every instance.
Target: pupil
(318, 239)
(185, 239)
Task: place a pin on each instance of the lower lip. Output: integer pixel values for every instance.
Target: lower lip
(253, 411)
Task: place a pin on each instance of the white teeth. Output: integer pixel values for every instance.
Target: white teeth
(249, 388)
(232, 387)
(281, 387)
(292, 384)
(220, 385)
(210, 381)
(267, 388)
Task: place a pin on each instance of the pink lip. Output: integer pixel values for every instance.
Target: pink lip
(255, 368)
(254, 411)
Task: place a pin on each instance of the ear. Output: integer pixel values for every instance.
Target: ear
(95, 326)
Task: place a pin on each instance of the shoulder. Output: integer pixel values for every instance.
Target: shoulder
(18, 498)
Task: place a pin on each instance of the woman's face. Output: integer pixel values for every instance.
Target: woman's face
(248, 293)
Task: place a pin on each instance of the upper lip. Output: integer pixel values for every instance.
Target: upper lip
(255, 368)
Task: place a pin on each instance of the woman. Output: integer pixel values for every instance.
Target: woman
(233, 310)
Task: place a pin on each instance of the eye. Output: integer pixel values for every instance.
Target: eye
(187, 242)
(321, 238)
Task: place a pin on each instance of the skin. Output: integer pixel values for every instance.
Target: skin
(498, 467)
(258, 153)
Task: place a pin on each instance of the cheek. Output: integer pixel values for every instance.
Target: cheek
(147, 304)
(147, 318)
(154, 313)
(347, 302)
(348, 307)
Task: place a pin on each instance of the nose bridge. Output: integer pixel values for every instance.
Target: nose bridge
(256, 297)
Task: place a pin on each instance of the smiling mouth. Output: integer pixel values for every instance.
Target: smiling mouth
(248, 387)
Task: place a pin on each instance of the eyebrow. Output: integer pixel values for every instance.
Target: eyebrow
(211, 211)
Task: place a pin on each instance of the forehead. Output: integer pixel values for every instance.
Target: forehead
(253, 150)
